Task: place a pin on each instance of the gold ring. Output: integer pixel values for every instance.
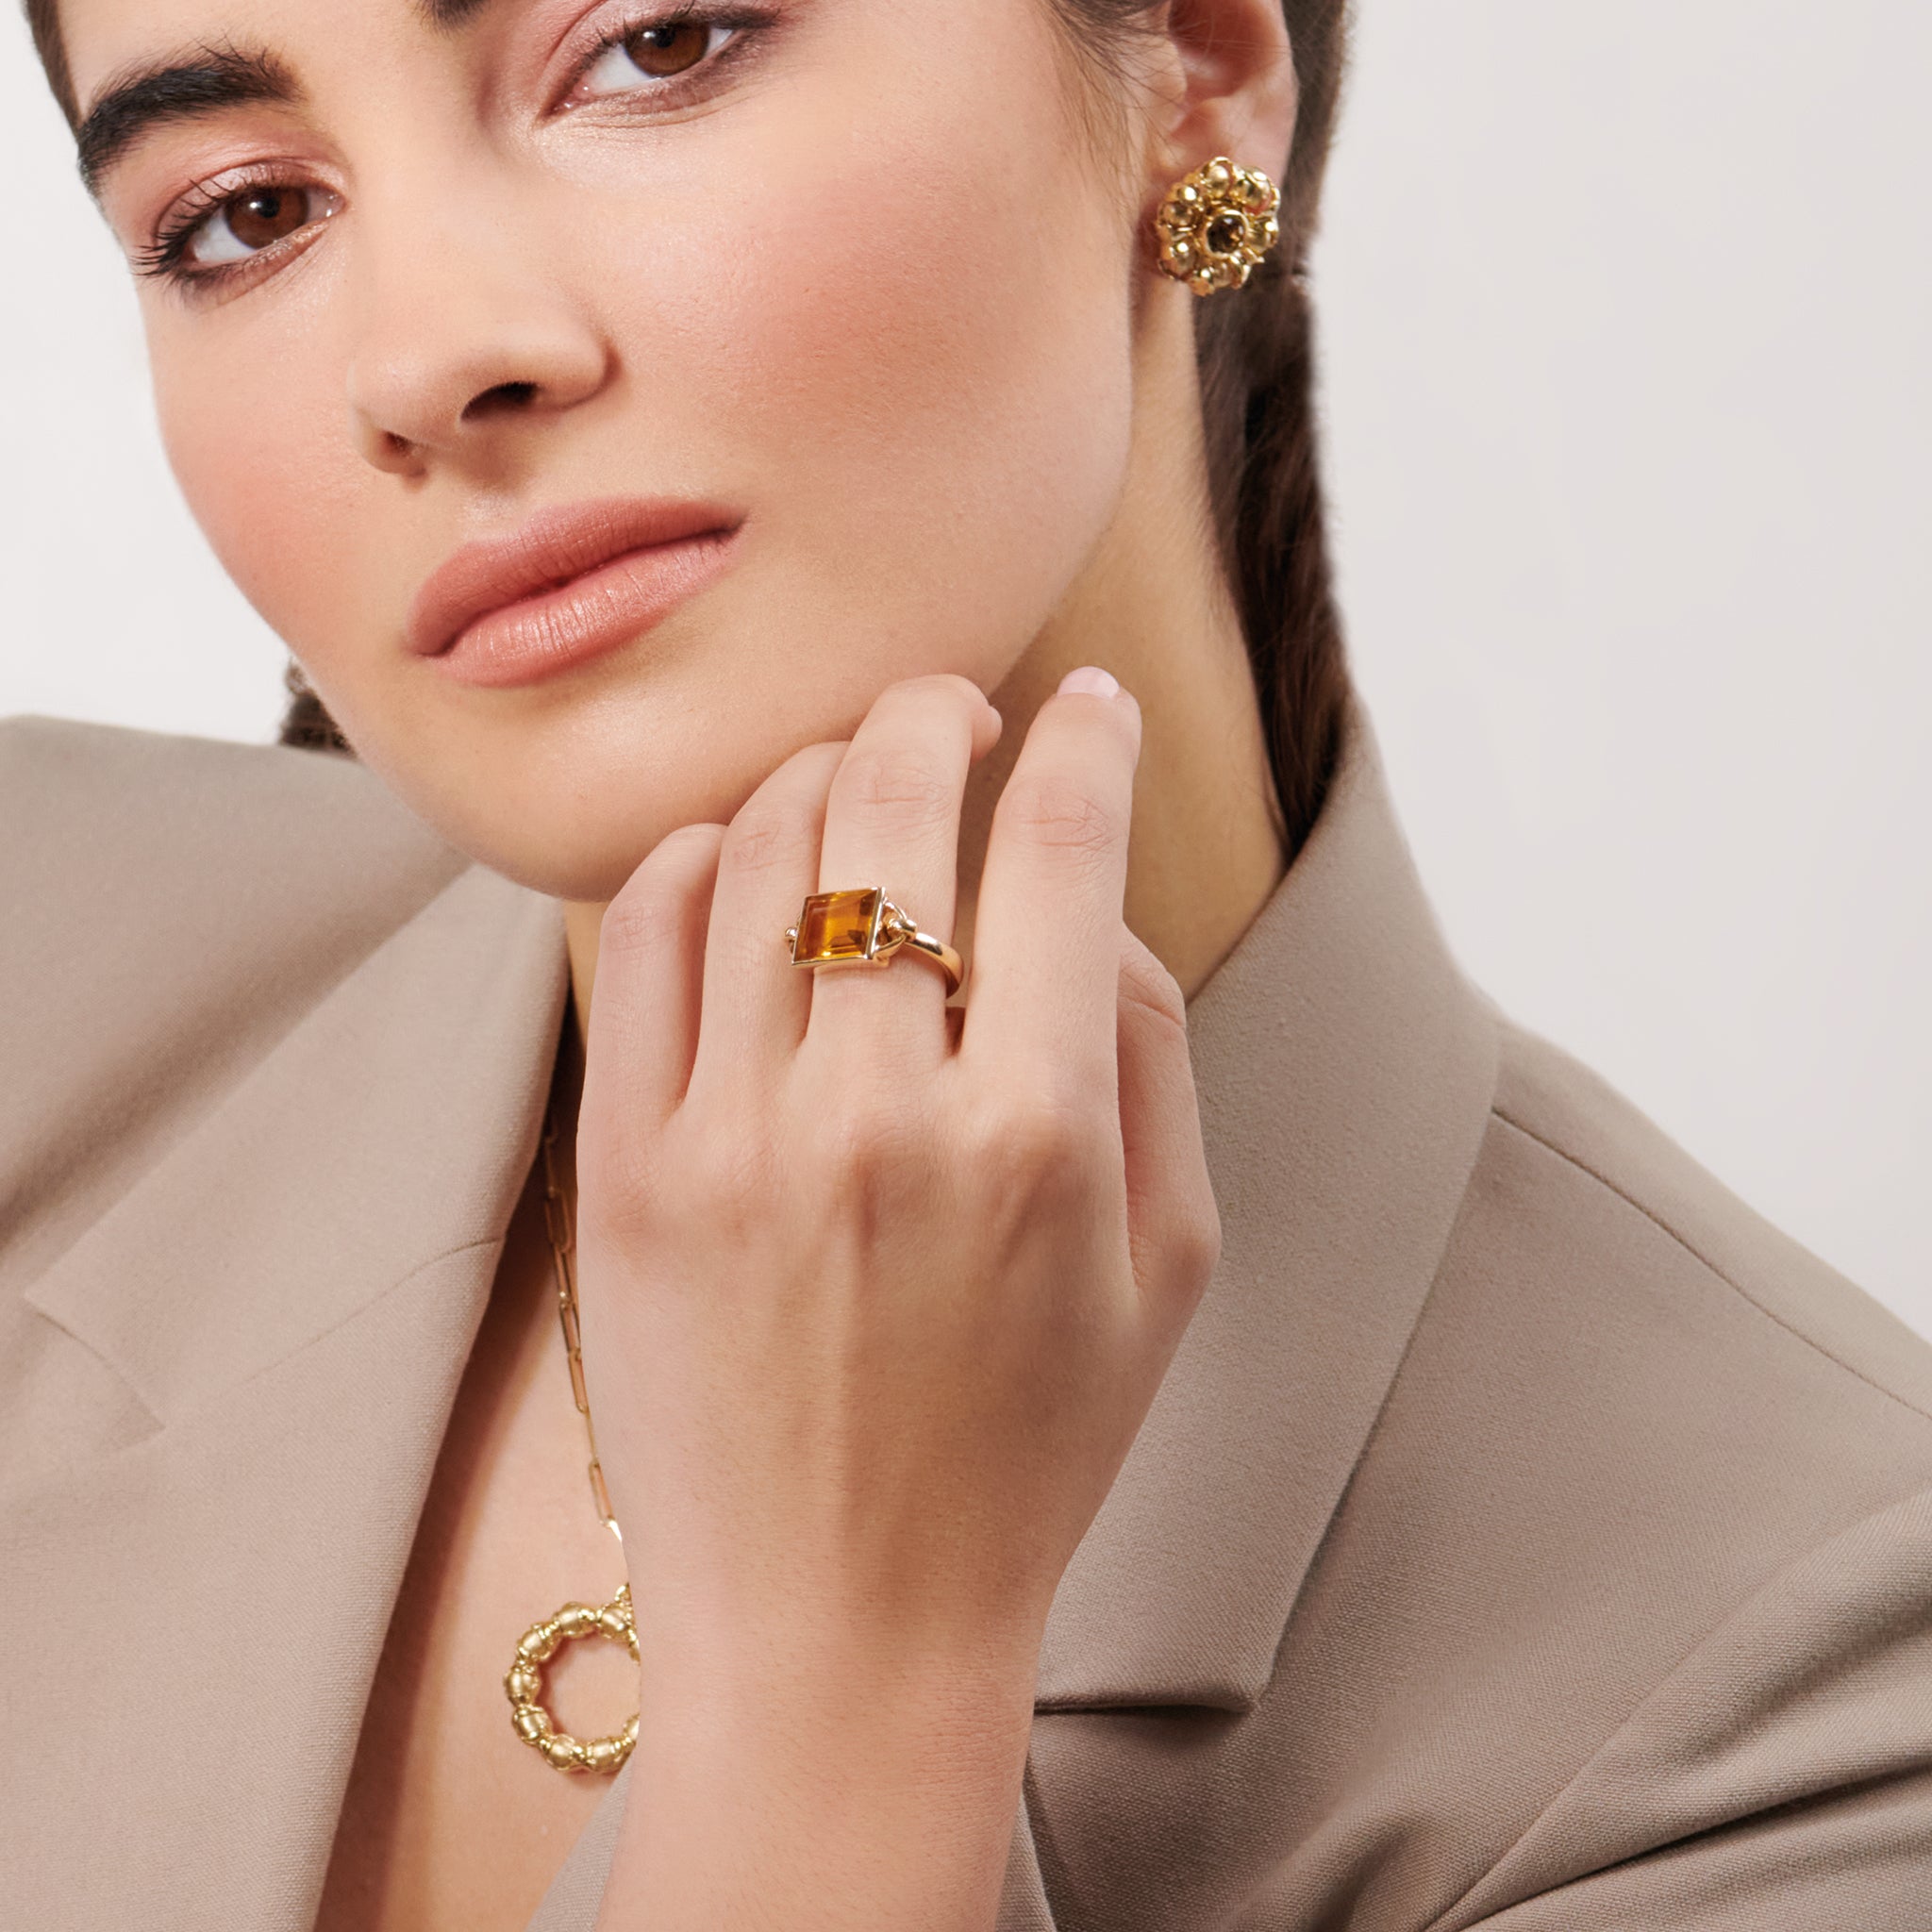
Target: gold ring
(862, 927)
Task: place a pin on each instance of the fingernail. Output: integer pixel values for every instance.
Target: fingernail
(1090, 677)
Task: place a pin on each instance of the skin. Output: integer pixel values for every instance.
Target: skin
(874, 1300)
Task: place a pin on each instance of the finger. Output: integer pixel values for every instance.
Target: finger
(1173, 1226)
(1045, 930)
(892, 820)
(646, 995)
(754, 1002)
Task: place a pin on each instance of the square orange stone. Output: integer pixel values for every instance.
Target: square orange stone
(838, 926)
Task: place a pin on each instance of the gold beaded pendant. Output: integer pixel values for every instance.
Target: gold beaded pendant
(525, 1684)
(1216, 225)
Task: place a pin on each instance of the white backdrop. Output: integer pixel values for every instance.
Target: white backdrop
(1627, 420)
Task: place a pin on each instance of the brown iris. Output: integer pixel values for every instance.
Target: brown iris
(663, 51)
(264, 215)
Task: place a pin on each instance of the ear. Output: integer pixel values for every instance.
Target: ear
(1223, 84)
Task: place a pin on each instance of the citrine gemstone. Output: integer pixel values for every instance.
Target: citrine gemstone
(1226, 234)
(838, 926)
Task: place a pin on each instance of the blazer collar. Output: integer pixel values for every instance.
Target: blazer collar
(292, 1289)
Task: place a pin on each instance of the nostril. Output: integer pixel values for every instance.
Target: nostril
(506, 396)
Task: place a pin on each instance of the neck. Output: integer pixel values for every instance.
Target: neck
(1153, 606)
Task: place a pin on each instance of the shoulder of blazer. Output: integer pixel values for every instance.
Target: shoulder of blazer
(172, 905)
(1580, 1118)
(1683, 1550)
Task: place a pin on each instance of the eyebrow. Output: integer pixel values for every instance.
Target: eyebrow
(211, 81)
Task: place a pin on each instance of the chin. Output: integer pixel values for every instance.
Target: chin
(565, 787)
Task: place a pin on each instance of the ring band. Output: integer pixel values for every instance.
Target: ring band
(862, 927)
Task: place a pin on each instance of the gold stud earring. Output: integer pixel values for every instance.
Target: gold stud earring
(1216, 225)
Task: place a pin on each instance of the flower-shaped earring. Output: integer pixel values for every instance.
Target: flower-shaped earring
(1216, 225)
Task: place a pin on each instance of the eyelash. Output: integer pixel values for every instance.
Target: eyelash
(165, 257)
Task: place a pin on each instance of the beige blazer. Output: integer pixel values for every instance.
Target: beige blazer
(1526, 1535)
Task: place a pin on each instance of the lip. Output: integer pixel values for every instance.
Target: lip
(576, 580)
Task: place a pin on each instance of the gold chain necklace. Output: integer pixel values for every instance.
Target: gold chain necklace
(531, 1722)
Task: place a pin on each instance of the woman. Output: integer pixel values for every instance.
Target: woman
(1209, 1427)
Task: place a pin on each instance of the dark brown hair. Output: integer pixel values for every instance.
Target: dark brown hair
(1256, 355)
(1257, 360)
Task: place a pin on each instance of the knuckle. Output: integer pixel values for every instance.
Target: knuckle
(889, 782)
(633, 923)
(869, 1163)
(648, 903)
(1054, 811)
(1197, 1244)
(1148, 986)
(865, 1141)
(639, 921)
(1175, 1246)
(1044, 1142)
(716, 1176)
(763, 836)
(734, 1183)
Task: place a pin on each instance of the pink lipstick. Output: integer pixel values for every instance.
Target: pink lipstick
(578, 580)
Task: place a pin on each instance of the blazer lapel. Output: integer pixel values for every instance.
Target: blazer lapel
(1345, 1071)
(291, 1291)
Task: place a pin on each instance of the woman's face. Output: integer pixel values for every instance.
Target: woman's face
(814, 315)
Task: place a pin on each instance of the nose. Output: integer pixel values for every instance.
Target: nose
(459, 335)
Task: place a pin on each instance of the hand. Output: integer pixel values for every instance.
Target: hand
(872, 1317)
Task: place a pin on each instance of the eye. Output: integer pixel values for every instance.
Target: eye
(245, 222)
(646, 53)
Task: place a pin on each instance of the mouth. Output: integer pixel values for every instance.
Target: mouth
(576, 581)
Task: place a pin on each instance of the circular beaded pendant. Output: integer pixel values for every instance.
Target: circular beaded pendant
(525, 1684)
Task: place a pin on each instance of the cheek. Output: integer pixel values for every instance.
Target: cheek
(259, 447)
(921, 338)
